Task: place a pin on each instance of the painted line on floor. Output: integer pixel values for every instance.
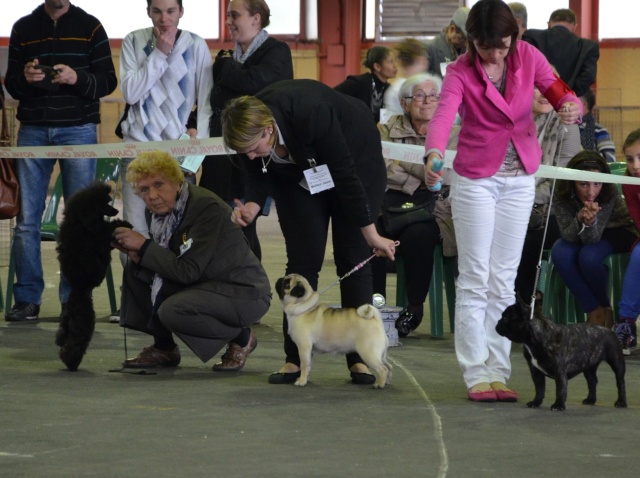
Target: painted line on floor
(14, 455)
(437, 420)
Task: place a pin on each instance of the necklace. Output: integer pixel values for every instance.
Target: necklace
(498, 69)
(264, 166)
(377, 95)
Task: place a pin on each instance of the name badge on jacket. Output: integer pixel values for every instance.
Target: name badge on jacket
(185, 246)
(318, 177)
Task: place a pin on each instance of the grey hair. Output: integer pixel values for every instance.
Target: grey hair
(520, 12)
(407, 87)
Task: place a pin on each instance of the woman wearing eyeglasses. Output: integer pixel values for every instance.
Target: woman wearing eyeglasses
(419, 96)
(493, 183)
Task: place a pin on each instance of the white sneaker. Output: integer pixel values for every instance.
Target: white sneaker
(115, 318)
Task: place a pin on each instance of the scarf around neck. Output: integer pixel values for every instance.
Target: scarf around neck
(550, 134)
(162, 229)
(256, 43)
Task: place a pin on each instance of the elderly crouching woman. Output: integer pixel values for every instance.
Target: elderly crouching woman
(419, 96)
(195, 277)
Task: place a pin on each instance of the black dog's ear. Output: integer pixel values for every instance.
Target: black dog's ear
(108, 210)
(279, 289)
(523, 307)
(298, 290)
(520, 301)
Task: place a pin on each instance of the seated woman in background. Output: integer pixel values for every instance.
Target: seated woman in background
(195, 277)
(629, 304)
(370, 87)
(419, 96)
(559, 144)
(594, 222)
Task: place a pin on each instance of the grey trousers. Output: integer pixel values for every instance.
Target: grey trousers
(202, 319)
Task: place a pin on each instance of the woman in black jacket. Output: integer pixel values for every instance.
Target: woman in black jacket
(370, 87)
(288, 134)
(257, 61)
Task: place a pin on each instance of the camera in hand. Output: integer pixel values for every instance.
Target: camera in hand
(49, 74)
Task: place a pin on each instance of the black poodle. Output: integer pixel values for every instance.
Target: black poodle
(84, 251)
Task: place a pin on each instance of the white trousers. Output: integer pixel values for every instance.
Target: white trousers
(490, 217)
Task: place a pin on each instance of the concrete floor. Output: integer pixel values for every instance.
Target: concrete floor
(191, 422)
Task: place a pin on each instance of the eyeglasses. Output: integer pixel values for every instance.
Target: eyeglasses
(422, 98)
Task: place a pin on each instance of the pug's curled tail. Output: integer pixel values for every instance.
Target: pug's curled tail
(368, 311)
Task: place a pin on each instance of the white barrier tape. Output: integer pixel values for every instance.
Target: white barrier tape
(190, 147)
(215, 146)
(412, 153)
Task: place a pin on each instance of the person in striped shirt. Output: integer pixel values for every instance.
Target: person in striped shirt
(59, 67)
(594, 136)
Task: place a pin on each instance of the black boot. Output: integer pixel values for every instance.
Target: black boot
(409, 319)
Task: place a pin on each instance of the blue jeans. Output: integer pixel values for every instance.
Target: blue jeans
(34, 175)
(630, 301)
(582, 269)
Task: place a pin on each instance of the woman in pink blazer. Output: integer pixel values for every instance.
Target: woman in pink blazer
(492, 189)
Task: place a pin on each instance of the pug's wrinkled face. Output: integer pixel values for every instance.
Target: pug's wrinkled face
(292, 285)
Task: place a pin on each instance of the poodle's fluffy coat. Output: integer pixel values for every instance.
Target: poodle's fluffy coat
(84, 252)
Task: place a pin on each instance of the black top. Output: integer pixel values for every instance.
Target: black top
(575, 58)
(76, 39)
(334, 129)
(271, 62)
(362, 87)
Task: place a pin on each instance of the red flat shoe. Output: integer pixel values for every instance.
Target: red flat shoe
(506, 395)
(486, 396)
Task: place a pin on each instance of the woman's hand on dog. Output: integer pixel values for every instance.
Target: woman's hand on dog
(128, 241)
(382, 247)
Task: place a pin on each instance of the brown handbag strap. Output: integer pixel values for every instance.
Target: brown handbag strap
(4, 133)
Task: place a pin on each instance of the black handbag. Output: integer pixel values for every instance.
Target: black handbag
(400, 210)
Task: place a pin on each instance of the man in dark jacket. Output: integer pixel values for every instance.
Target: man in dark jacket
(575, 58)
(59, 67)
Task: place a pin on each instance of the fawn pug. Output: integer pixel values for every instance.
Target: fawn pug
(317, 327)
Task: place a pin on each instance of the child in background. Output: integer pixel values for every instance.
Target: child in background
(594, 222)
(629, 304)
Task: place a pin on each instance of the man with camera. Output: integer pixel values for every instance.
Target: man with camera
(59, 67)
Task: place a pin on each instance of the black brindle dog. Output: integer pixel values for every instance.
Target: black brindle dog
(562, 352)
